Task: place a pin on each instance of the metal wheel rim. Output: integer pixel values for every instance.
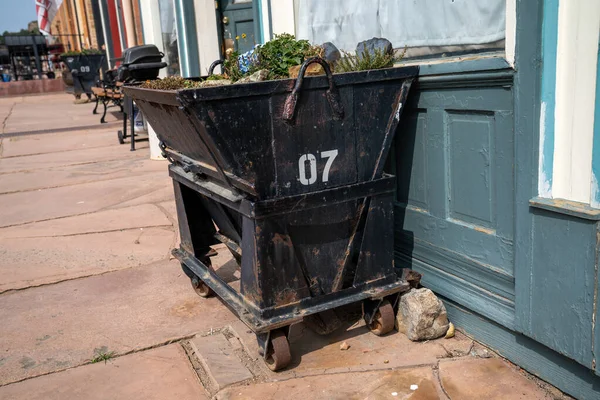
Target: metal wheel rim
(383, 321)
(200, 287)
(278, 355)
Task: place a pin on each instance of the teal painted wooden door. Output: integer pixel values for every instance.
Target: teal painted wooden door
(238, 25)
(454, 159)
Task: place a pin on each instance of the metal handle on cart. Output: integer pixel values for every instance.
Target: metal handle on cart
(211, 69)
(332, 94)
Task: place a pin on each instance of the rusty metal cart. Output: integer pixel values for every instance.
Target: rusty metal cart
(291, 174)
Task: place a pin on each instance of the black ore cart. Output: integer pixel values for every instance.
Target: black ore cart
(288, 174)
(85, 70)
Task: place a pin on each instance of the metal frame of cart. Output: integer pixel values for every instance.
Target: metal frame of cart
(291, 174)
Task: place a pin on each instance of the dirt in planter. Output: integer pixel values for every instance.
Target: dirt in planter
(177, 83)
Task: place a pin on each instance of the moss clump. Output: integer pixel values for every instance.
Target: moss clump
(215, 77)
(178, 83)
(171, 83)
(352, 63)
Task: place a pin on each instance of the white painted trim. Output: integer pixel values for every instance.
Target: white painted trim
(207, 34)
(510, 33)
(577, 52)
(150, 14)
(266, 28)
(282, 16)
(544, 186)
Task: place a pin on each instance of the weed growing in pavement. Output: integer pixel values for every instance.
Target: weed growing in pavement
(102, 354)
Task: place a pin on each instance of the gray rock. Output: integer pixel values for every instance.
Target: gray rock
(258, 76)
(331, 54)
(218, 82)
(421, 315)
(381, 44)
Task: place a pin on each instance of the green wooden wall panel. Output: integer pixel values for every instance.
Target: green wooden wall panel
(563, 280)
(470, 167)
(454, 157)
(467, 162)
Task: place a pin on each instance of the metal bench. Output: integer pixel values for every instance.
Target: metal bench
(106, 95)
(108, 90)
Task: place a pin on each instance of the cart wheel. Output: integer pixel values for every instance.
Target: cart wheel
(278, 353)
(120, 135)
(383, 322)
(200, 287)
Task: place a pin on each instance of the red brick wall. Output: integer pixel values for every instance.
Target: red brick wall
(30, 87)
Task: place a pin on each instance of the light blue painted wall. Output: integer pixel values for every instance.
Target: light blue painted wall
(260, 23)
(596, 150)
(549, 47)
(189, 59)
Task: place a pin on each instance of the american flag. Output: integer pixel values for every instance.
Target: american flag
(46, 10)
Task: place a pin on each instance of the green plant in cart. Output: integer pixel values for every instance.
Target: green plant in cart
(365, 61)
(283, 52)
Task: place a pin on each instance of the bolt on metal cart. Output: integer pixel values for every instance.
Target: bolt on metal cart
(288, 174)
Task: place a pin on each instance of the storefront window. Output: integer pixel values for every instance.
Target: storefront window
(169, 36)
(428, 28)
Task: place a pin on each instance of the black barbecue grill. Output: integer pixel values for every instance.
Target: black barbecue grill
(141, 63)
(138, 64)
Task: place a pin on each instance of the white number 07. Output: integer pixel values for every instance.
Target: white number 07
(312, 162)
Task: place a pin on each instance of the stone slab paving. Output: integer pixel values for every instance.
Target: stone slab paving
(313, 354)
(50, 111)
(156, 374)
(439, 369)
(392, 384)
(24, 207)
(62, 141)
(486, 378)
(169, 207)
(73, 175)
(217, 356)
(6, 106)
(74, 157)
(163, 193)
(141, 216)
(59, 326)
(34, 261)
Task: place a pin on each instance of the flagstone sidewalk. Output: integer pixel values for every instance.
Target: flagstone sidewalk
(92, 306)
